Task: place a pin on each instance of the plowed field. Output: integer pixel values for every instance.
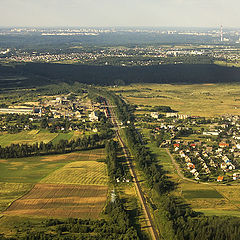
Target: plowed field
(52, 200)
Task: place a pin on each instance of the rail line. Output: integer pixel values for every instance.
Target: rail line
(137, 185)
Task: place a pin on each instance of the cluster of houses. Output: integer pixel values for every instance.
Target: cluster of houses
(72, 108)
(201, 160)
(205, 147)
(55, 109)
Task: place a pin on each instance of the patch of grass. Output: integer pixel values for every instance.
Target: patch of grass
(19, 175)
(189, 194)
(33, 169)
(27, 170)
(29, 137)
(62, 136)
(11, 191)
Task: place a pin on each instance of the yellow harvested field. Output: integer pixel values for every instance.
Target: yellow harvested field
(52, 200)
(80, 172)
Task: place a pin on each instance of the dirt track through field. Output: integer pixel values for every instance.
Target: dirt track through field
(52, 200)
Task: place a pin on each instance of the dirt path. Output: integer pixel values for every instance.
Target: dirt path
(179, 172)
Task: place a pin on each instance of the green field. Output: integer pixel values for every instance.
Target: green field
(35, 136)
(195, 100)
(29, 137)
(62, 136)
(190, 194)
(11, 191)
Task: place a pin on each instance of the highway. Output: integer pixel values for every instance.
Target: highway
(139, 191)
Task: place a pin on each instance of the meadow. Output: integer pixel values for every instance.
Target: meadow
(27, 137)
(36, 136)
(195, 100)
(62, 136)
(80, 172)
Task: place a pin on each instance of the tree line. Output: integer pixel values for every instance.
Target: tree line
(63, 146)
(116, 169)
(44, 73)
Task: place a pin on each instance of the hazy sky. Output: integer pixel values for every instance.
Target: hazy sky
(199, 13)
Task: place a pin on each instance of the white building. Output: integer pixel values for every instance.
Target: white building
(93, 117)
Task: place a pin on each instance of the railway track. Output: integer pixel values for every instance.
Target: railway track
(148, 217)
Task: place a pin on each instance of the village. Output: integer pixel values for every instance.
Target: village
(207, 149)
(61, 113)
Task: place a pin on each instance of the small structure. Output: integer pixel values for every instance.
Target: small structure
(154, 115)
(93, 117)
(220, 178)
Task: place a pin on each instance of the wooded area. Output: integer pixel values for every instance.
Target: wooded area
(43, 73)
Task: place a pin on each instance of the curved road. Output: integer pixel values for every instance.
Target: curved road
(140, 194)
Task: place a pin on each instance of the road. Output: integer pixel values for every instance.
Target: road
(139, 191)
(180, 174)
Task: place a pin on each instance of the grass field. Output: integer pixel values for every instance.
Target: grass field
(198, 100)
(62, 136)
(11, 191)
(51, 200)
(29, 137)
(207, 193)
(81, 172)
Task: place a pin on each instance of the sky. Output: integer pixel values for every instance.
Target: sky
(110, 13)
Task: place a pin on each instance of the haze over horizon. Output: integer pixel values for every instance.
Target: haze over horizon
(110, 13)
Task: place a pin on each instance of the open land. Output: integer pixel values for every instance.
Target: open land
(205, 100)
(36, 136)
(208, 100)
(60, 200)
(27, 137)
(54, 190)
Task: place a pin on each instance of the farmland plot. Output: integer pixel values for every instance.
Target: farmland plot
(81, 172)
(52, 200)
(68, 185)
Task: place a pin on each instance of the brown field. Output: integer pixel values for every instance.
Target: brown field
(88, 155)
(52, 200)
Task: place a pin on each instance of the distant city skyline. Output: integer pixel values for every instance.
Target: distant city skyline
(110, 13)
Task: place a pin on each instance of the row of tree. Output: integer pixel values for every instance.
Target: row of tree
(63, 146)
(116, 169)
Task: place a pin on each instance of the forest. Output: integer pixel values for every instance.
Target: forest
(37, 74)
